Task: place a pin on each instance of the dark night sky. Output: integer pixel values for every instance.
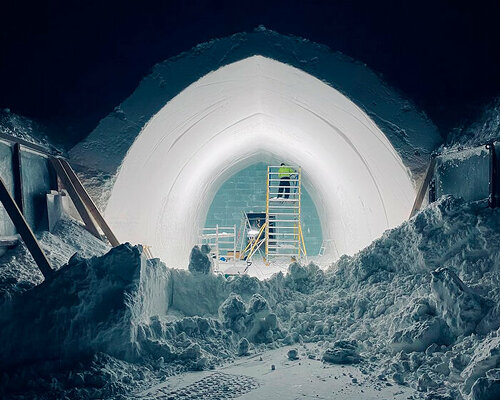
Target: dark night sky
(69, 63)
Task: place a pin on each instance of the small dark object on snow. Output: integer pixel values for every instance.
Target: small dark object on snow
(273, 367)
(243, 345)
(293, 354)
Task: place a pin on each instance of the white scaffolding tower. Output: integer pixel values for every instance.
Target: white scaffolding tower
(283, 229)
(222, 243)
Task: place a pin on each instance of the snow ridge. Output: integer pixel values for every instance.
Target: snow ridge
(420, 306)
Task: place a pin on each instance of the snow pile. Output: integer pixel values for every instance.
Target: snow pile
(342, 352)
(90, 305)
(483, 130)
(420, 306)
(24, 128)
(18, 270)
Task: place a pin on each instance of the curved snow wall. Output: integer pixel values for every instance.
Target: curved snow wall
(359, 143)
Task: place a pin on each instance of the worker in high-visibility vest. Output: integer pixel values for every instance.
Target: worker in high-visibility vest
(284, 174)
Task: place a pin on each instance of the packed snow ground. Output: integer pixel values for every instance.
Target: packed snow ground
(252, 377)
(419, 308)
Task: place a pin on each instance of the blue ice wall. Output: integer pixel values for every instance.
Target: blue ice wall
(246, 191)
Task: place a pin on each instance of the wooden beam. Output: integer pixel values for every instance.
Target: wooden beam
(89, 203)
(18, 176)
(77, 201)
(36, 147)
(423, 187)
(25, 231)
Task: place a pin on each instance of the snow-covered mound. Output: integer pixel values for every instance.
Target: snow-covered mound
(23, 128)
(420, 306)
(18, 270)
(481, 131)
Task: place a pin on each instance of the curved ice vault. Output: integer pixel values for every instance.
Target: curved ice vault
(256, 110)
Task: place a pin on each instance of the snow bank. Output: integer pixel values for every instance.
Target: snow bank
(18, 270)
(420, 306)
(90, 305)
(23, 128)
(481, 131)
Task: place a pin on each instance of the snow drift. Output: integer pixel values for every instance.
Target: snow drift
(420, 306)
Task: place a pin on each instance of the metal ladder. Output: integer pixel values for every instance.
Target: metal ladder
(283, 230)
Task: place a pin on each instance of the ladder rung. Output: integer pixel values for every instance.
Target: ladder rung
(282, 199)
(283, 255)
(286, 200)
(285, 220)
(287, 207)
(280, 213)
(293, 250)
(281, 186)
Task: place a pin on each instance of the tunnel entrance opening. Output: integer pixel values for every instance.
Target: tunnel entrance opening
(241, 203)
(225, 122)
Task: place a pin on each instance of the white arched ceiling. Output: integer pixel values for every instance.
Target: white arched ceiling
(252, 110)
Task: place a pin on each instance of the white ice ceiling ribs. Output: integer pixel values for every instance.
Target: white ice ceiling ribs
(255, 109)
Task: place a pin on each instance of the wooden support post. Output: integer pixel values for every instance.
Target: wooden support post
(423, 188)
(90, 204)
(77, 201)
(24, 230)
(18, 176)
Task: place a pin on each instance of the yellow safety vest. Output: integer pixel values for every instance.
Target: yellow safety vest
(285, 172)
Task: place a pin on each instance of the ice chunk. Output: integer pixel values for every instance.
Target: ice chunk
(232, 313)
(486, 356)
(199, 262)
(459, 306)
(487, 387)
(421, 335)
(293, 354)
(243, 346)
(342, 352)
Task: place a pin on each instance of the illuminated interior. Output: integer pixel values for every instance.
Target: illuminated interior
(258, 110)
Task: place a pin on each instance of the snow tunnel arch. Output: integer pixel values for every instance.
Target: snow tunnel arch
(249, 111)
